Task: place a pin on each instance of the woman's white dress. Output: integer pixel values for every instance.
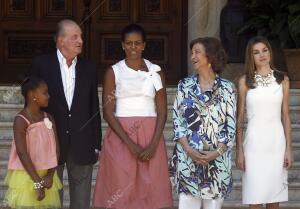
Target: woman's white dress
(265, 178)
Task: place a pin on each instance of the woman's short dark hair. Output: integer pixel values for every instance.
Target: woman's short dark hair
(30, 84)
(214, 50)
(133, 28)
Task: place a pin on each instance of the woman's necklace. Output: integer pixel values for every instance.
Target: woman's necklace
(141, 67)
(263, 80)
(207, 86)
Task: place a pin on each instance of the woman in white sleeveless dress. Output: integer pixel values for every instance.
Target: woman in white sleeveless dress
(266, 153)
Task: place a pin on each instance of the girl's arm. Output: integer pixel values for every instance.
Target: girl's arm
(48, 179)
(55, 134)
(108, 103)
(288, 159)
(161, 109)
(242, 90)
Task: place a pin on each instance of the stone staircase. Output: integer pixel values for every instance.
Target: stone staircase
(11, 102)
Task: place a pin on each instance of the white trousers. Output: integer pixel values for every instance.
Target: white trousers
(191, 202)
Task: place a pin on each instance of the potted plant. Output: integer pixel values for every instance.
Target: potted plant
(278, 20)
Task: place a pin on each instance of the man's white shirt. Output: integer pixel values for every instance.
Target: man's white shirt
(68, 76)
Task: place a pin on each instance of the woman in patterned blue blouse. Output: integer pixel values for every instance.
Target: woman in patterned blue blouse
(204, 128)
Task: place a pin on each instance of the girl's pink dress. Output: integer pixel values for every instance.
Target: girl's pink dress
(41, 147)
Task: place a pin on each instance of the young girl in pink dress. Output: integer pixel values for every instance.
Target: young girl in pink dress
(31, 179)
(133, 171)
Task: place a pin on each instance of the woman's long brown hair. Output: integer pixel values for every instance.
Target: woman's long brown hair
(250, 67)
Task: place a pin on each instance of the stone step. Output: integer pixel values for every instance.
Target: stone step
(235, 195)
(9, 111)
(12, 95)
(6, 143)
(295, 145)
(294, 191)
(294, 97)
(6, 131)
(293, 173)
(234, 198)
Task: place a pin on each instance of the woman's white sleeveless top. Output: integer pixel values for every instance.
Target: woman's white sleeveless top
(136, 89)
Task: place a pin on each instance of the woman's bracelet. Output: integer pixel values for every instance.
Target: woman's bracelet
(221, 150)
(38, 185)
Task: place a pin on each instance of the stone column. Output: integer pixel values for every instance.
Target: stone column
(203, 20)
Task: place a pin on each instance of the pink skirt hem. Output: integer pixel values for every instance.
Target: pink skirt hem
(125, 182)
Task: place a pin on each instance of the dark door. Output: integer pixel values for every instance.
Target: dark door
(27, 28)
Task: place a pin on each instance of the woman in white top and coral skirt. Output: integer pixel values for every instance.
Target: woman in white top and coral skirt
(133, 171)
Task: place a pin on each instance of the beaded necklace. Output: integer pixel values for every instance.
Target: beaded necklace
(263, 80)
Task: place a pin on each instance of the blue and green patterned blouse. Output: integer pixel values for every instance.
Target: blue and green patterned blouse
(205, 119)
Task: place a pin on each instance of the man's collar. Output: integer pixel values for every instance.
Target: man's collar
(62, 59)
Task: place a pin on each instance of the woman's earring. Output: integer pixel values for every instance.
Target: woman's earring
(209, 65)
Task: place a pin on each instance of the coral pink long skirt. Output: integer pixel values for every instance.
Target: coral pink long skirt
(123, 181)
